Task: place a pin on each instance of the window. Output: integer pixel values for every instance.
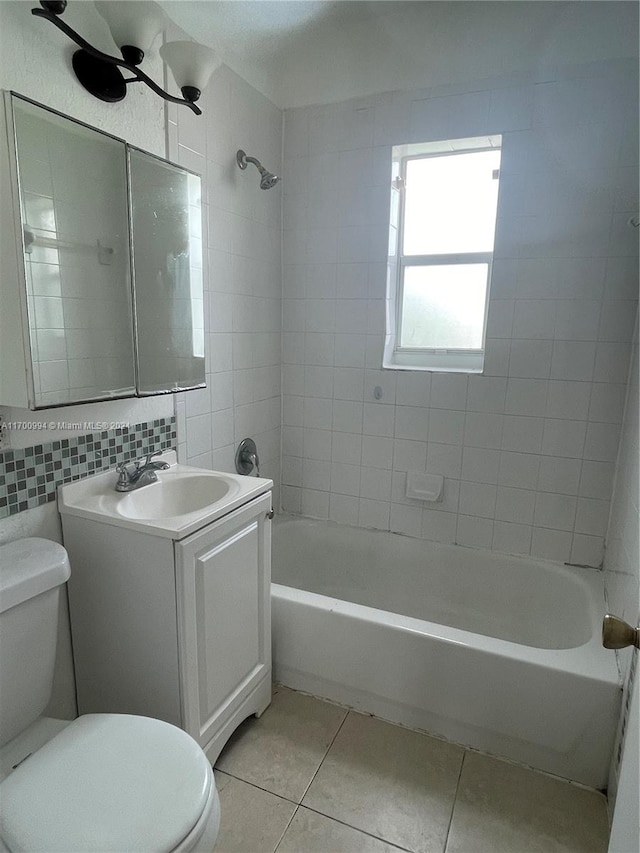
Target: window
(444, 200)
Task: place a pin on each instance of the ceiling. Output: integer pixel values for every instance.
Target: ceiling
(256, 38)
(300, 52)
(265, 27)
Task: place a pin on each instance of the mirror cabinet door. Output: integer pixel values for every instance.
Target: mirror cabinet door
(167, 263)
(73, 199)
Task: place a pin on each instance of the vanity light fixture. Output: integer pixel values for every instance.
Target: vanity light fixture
(134, 25)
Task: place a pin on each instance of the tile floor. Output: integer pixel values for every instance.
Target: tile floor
(312, 777)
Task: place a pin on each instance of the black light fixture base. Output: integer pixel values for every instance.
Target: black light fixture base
(102, 79)
(55, 7)
(100, 73)
(190, 93)
(131, 54)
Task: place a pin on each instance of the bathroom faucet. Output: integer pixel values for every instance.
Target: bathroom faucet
(143, 473)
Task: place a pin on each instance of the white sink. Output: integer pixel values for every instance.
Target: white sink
(175, 495)
(183, 499)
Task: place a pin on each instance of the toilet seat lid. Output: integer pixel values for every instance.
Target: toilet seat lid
(107, 782)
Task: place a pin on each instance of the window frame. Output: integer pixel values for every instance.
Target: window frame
(436, 359)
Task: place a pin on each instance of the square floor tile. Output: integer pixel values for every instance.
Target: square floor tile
(251, 820)
(283, 749)
(310, 832)
(393, 783)
(503, 808)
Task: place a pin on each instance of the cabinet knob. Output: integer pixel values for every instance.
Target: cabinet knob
(270, 514)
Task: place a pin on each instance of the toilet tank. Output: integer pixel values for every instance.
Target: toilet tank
(31, 574)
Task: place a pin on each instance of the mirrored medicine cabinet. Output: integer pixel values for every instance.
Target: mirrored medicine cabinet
(101, 285)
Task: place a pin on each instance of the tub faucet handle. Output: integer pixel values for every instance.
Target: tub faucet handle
(247, 457)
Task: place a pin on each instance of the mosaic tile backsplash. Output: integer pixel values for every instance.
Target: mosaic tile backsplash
(29, 476)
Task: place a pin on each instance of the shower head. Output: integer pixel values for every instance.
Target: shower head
(267, 179)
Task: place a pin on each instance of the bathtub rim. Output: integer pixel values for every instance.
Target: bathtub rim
(575, 570)
(589, 661)
(589, 578)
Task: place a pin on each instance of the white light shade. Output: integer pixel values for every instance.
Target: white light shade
(191, 64)
(134, 22)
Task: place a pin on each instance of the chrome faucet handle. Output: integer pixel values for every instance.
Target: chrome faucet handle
(142, 463)
(132, 475)
(146, 462)
(253, 459)
(124, 477)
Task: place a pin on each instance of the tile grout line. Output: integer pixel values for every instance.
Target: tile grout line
(267, 791)
(298, 805)
(333, 740)
(284, 831)
(331, 817)
(293, 802)
(357, 829)
(258, 787)
(453, 804)
(283, 796)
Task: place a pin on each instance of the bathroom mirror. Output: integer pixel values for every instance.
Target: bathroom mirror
(109, 266)
(167, 264)
(73, 200)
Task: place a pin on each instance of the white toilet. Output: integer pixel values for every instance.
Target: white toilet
(104, 782)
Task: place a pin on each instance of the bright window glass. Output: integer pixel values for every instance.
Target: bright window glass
(444, 201)
(443, 307)
(451, 203)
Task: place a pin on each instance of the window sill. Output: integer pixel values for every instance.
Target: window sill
(434, 362)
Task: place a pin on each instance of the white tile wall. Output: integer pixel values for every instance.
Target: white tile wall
(243, 289)
(622, 559)
(622, 556)
(527, 450)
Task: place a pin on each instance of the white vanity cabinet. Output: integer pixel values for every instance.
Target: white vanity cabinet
(178, 629)
(223, 588)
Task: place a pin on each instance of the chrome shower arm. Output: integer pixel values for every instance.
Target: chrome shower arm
(268, 179)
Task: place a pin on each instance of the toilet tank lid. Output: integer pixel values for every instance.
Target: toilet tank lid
(29, 567)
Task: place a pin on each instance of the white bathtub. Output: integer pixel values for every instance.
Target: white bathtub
(499, 653)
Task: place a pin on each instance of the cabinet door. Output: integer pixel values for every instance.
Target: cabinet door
(224, 616)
